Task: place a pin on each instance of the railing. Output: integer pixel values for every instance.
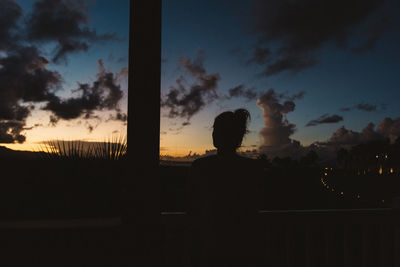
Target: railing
(356, 238)
(313, 238)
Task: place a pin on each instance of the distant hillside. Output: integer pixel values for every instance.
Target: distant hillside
(6, 153)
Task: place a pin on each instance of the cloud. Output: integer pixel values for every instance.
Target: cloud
(119, 116)
(64, 22)
(325, 119)
(363, 107)
(10, 13)
(10, 131)
(345, 109)
(240, 91)
(183, 102)
(291, 32)
(299, 95)
(389, 128)
(277, 129)
(343, 136)
(23, 78)
(103, 93)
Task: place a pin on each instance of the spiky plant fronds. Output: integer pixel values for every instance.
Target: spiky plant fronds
(114, 148)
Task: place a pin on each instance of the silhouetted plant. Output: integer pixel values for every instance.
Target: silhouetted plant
(61, 149)
(114, 148)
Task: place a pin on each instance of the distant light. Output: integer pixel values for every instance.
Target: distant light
(326, 168)
(331, 169)
(383, 201)
(377, 156)
(326, 174)
(358, 196)
(391, 170)
(342, 193)
(385, 156)
(380, 170)
(333, 190)
(327, 186)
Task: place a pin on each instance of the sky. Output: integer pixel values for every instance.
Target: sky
(312, 74)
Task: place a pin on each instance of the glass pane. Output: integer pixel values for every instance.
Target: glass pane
(66, 69)
(63, 95)
(318, 80)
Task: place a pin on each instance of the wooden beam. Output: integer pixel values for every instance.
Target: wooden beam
(142, 211)
(144, 82)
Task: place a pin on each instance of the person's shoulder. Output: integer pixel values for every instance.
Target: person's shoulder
(204, 161)
(250, 162)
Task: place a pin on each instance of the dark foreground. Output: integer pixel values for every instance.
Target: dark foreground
(291, 238)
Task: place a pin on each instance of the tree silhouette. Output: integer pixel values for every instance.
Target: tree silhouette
(310, 158)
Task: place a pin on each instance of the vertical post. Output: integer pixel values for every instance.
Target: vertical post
(144, 83)
(142, 201)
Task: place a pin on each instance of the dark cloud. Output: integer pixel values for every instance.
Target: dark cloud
(183, 102)
(119, 116)
(240, 91)
(10, 13)
(291, 32)
(345, 137)
(64, 22)
(299, 95)
(363, 107)
(325, 119)
(10, 131)
(53, 120)
(90, 128)
(389, 128)
(23, 78)
(33, 126)
(345, 109)
(104, 93)
(366, 107)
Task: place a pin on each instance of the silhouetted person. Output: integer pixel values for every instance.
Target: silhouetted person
(223, 200)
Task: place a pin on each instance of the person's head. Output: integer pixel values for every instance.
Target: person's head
(229, 129)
